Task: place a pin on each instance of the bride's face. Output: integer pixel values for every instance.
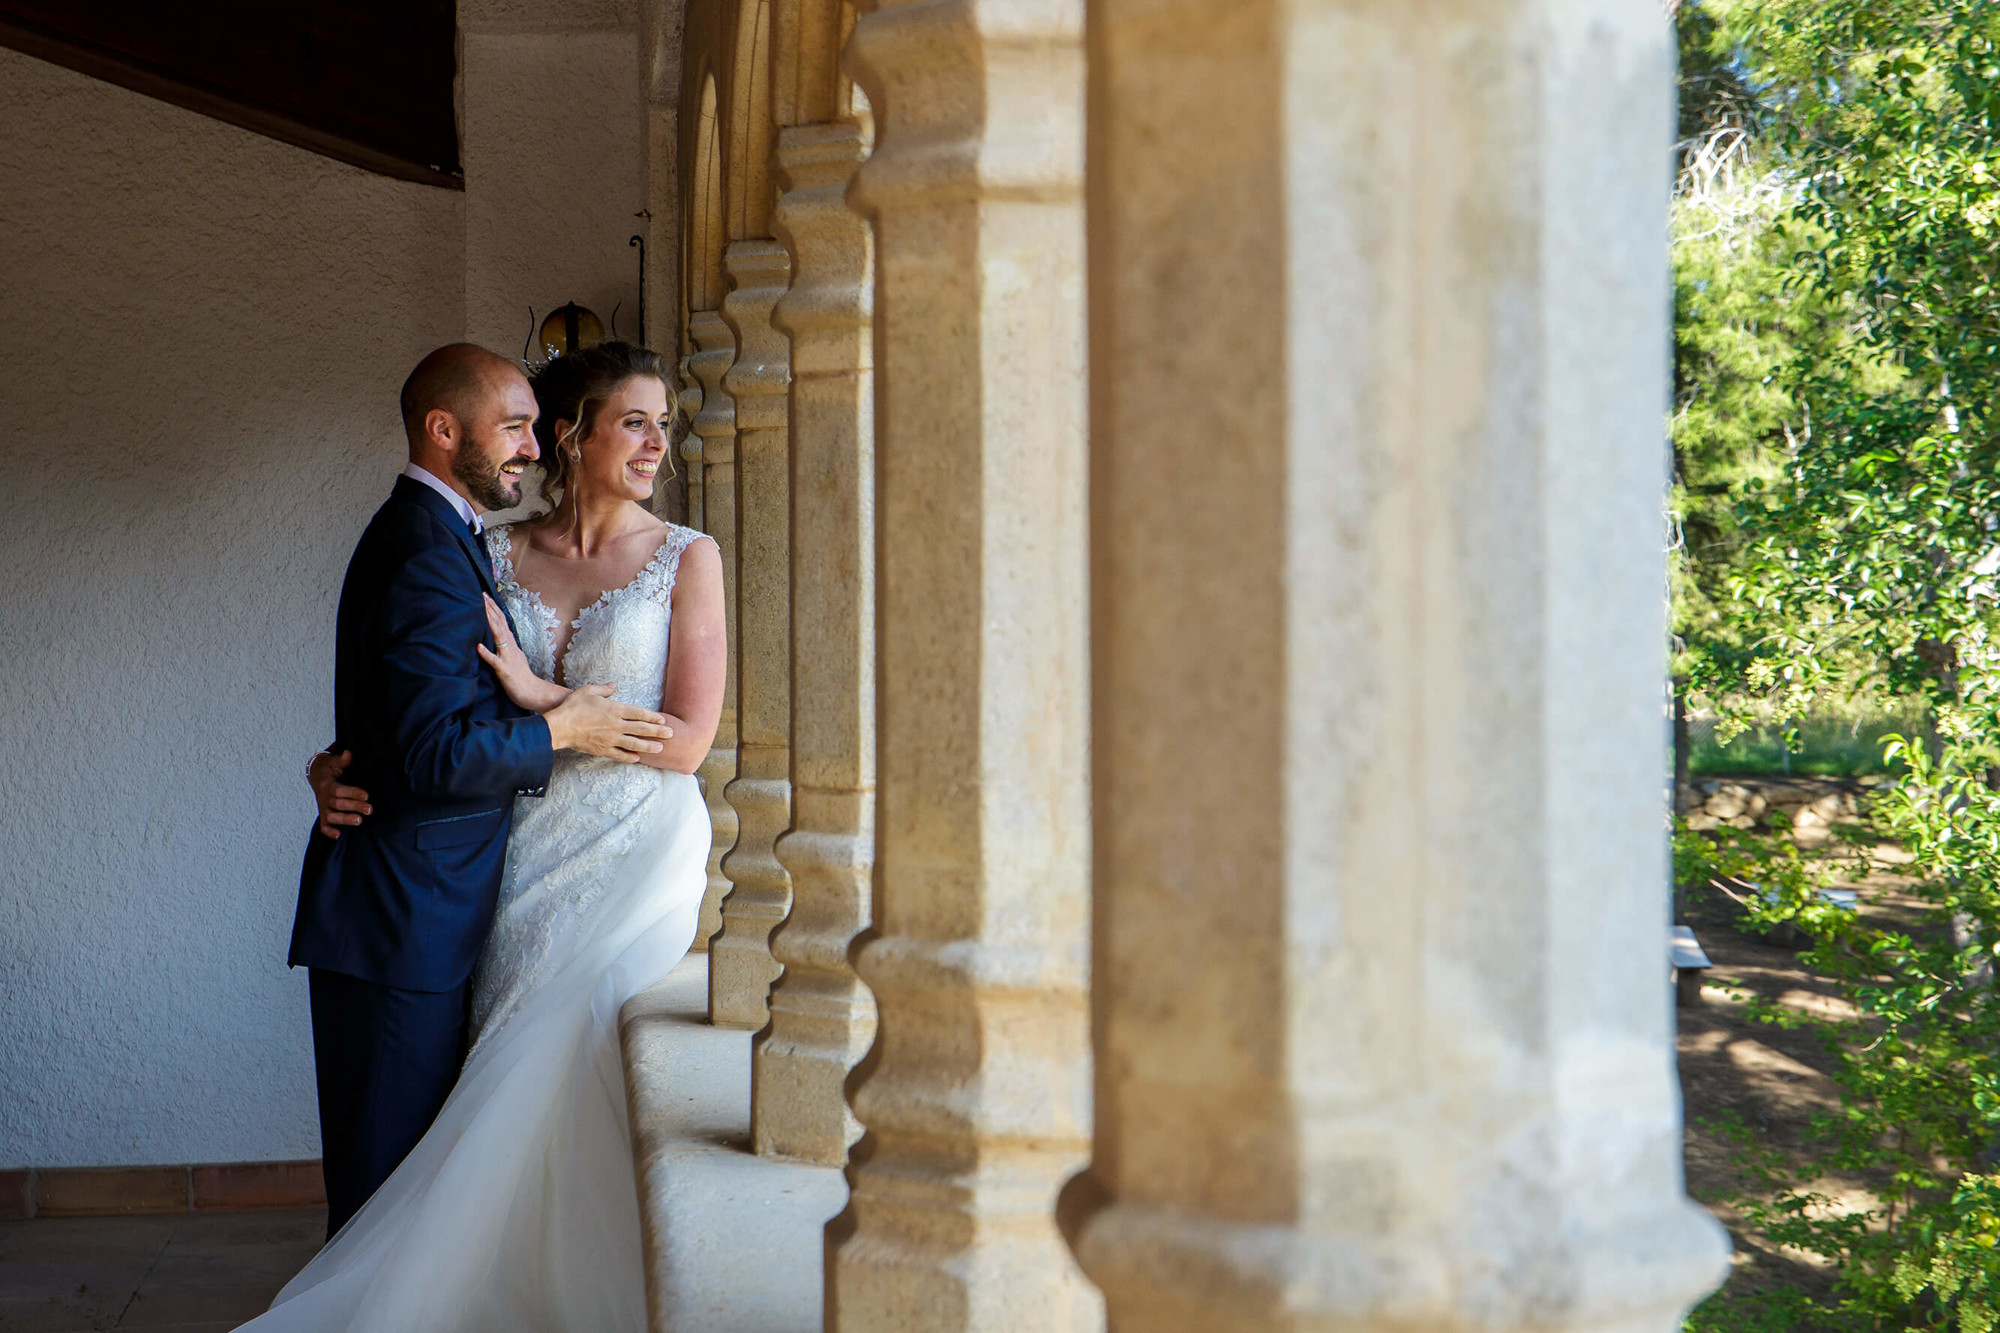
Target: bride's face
(627, 444)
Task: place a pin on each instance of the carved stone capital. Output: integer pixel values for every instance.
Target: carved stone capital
(830, 308)
(715, 350)
(982, 97)
(762, 370)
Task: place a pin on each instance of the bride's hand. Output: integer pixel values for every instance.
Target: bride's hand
(510, 664)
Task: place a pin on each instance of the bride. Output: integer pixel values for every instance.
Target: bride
(518, 1210)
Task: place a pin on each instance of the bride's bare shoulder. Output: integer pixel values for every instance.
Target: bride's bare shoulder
(700, 562)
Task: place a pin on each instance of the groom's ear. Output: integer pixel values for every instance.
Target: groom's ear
(441, 428)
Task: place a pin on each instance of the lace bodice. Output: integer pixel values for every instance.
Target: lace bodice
(566, 845)
(620, 637)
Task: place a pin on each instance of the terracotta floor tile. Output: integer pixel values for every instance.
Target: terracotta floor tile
(224, 1232)
(93, 1280)
(54, 1275)
(88, 1267)
(190, 1273)
(55, 1314)
(273, 1266)
(74, 1237)
(156, 1306)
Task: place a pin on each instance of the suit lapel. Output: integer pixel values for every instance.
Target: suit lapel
(480, 560)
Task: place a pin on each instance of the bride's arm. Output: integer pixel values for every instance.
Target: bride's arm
(697, 661)
(585, 720)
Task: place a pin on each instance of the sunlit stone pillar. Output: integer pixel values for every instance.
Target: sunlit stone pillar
(741, 968)
(1381, 1016)
(822, 1017)
(976, 1096)
(711, 451)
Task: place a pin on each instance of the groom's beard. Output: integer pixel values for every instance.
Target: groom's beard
(485, 482)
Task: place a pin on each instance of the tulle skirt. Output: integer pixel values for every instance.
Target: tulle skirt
(518, 1210)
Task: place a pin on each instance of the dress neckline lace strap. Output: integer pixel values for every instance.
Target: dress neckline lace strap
(655, 581)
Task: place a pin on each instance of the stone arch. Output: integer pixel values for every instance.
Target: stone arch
(702, 245)
(809, 85)
(750, 129)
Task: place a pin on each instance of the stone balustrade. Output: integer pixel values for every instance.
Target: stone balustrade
(741, 967)
(822, 1017)
(712, 507)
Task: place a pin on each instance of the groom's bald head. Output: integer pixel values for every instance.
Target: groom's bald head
(456, 378)
(470, 415)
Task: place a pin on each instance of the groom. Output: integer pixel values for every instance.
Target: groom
(392, 914)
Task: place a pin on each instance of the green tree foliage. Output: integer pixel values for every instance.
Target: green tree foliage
(1875, 557)
(1738, 315)
(1867, 556)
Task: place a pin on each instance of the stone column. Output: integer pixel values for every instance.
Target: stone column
(976, 1097)
(687, 492)
(1382, 1022)
(741, 969)
(711, 450)
(822, 1017)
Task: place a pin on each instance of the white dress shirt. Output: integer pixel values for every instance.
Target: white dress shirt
(458, 502)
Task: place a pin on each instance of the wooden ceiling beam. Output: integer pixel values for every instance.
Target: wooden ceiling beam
(367, 82)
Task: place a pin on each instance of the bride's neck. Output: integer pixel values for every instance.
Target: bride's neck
(591, 522)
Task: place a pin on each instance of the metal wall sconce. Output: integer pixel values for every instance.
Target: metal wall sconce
(571, 327)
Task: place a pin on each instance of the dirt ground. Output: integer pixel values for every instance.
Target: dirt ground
(1774, 1079)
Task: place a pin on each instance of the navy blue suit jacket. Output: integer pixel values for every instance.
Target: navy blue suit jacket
(406, 899)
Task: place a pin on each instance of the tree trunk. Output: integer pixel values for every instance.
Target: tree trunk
(1683, 748)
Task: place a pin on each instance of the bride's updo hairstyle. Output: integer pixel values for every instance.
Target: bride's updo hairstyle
(572, 388)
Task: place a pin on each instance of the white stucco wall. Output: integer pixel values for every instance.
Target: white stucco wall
(201, 337)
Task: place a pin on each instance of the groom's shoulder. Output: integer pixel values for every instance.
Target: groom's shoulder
(401, 524)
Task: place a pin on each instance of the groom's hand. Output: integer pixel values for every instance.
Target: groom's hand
(590, 721)
(339, 806)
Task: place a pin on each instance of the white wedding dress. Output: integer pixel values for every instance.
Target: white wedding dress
(518, 1211)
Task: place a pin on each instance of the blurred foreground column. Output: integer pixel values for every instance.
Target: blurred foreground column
(1380, 992)
(976, 1098)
